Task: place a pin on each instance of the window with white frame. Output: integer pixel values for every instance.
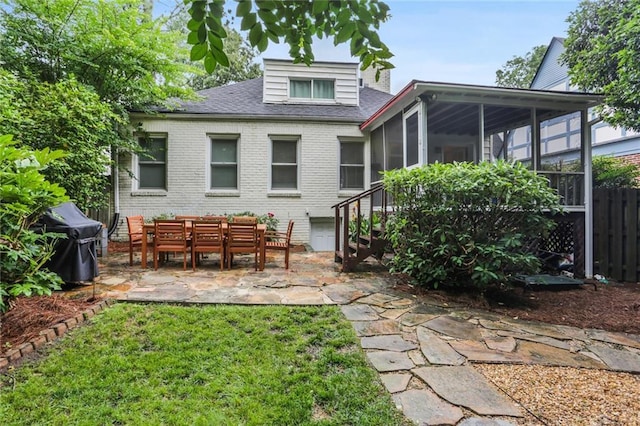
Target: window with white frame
(224, 164)
(152, 163)
(411, 140)
(284, 164)
(312, 89)
(351, 165)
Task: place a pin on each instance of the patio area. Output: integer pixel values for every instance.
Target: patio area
(424, 350)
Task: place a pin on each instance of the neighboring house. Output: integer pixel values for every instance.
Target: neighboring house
(288, 143)
(559, 135)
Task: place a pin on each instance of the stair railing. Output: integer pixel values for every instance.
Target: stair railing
(350, 254)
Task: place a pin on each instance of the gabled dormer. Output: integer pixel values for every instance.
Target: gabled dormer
(323, 83)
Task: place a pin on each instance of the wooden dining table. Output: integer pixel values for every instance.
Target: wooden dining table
(149, 229)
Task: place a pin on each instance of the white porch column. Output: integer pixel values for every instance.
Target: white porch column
(588, 194)
(535, 140)
(480, 156)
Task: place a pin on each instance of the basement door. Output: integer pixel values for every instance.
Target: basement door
(322, 234)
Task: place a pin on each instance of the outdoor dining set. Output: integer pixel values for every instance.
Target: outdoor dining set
(202, 236)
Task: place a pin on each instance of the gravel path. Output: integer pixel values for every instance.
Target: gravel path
(569, 396)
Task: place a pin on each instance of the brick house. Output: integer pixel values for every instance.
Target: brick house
(288, 143)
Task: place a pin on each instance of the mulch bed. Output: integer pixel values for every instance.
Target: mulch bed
(28, 316)
(611, 307)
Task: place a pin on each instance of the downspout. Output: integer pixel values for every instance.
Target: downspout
(116, 194)
(588, 194)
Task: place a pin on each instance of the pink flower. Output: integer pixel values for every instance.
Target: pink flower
(270, 214)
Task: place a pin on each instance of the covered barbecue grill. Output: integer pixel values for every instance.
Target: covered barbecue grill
(75, 258)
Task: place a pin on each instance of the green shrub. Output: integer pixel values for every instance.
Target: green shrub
(24, 196)
(268, 218)
(463, 224)
(365, 225)
(612, 172)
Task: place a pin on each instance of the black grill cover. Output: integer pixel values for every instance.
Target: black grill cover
(75, 256)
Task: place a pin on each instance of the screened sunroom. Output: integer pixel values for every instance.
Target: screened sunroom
(549, 131)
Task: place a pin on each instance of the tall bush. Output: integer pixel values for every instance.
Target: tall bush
(464, 224)
(24, 195)
(613, 172)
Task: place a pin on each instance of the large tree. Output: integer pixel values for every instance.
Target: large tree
(295, 22)
(113, 46)
(603, 55)
(66, 116)
(79, 67)
(519, 71)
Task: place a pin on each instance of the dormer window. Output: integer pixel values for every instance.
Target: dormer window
(312, 89)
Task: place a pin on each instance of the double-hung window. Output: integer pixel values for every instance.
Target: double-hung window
(312, 89)
(152, 163)
(351, 165)
(224, 164)
(284, 164)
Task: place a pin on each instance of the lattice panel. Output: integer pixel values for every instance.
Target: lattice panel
(561, 239)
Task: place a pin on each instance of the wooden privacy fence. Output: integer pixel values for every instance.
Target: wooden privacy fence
(616, 226)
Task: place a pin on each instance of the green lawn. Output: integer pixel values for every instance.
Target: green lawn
(207, 365)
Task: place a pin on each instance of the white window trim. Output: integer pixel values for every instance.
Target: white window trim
(285, 192)
(311, 99)
(421, 157)
(214, 192)
(135, 160)
(352, 191)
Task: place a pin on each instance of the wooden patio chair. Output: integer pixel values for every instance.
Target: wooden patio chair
(280, 241)
(244, 219)
(242, 238)
(188, 219)
(222, 219)
(136, 234)
(207, 237)
(170, 236)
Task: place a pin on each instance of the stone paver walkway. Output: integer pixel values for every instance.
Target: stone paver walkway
(423, 351)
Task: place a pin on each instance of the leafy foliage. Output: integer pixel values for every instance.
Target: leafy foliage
(296, 22)
(66, 116)
(75, 70)
(459, 224)
(241, 66)
(519, 71)
(240, 53)
(24, 196)
(612, 172)
(603, 55)
(112, 46)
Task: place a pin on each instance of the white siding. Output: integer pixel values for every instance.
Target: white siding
(278, 72)
(188, 160)
(552, 75)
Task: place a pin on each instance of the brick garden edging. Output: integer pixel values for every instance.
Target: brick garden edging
(51, 334)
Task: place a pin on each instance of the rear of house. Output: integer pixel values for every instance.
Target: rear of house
(287, 144)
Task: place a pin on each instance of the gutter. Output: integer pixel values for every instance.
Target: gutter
(393, 101)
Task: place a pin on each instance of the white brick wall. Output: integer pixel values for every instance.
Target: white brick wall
(188, 161)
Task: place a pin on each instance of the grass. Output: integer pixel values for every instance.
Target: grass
(202, 365)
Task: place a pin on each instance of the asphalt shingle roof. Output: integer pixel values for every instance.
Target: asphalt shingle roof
(245, 99)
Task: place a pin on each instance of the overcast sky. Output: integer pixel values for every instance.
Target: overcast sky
(456, 41)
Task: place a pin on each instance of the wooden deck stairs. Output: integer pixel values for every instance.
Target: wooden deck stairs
(360, 235)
